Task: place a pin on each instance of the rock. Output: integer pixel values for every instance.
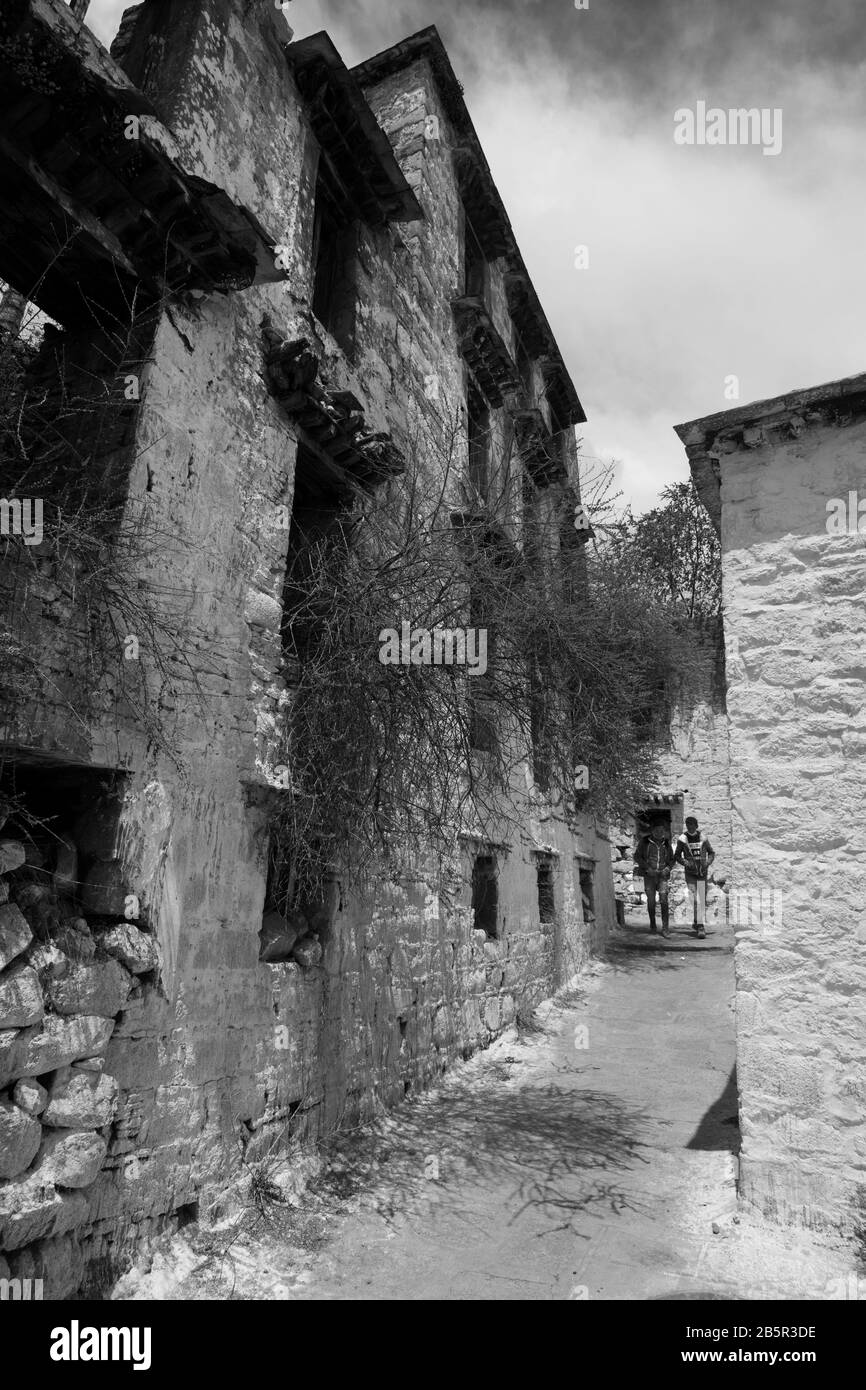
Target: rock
(28, 892)
(99, 988)
(38, 902)
(29, 1096)
(12, 855)
(31, 1208)
(72, 1158)
(74, 938)
(20, 997)
(66, 865)
(96, 831)
(104, 891)
(5, 1271)
(90, 1064)
(277, 937)
(4, 891)
(308, 952)
(20, 1136)
(47, 960)
(15, 934)
(60, 1263)
(716, 1228)
(76, 924)
(263, 610)
(81, 1100)
(492, 1014)
(53, 1044)
(131, 946)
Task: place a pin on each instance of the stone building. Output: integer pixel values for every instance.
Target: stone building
(783, 481)
(311, 265)
(692, 780)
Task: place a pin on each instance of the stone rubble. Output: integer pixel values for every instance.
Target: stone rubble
(67, 973)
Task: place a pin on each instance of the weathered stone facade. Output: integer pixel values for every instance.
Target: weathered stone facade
(197, 1046)
(782, 480)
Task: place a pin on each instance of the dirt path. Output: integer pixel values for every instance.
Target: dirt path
(589, 1159)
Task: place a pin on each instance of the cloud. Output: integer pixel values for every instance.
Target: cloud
(705, 262)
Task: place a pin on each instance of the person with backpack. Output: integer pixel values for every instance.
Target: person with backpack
(696, 854)
(654, 859)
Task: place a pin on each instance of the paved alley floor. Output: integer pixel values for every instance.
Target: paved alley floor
(592, 1156)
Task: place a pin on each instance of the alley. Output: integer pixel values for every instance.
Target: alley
(588, 1155)
(588, 1160)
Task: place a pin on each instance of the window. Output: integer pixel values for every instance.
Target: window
(334, 263)
(587, 893)
(485, 895)
(478, 426)
(476, 267)
(483, 736)
(540, 716)
(318, 508)
(544, 877)
(482, 726)
(524, 368)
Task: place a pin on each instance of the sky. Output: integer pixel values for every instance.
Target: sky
(705, 261)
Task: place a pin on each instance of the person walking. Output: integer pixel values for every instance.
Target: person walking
(654, 859)
(696, 854)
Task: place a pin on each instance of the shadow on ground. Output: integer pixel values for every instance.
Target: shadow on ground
(553, 1150)
(632, 956)
(720, 1126)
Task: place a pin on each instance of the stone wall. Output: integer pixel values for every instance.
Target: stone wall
(215, 1050)
(75, 960)
(795, 636)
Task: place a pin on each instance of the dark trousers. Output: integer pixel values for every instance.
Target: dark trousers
(654, 885)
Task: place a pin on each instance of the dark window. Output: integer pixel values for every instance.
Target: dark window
(485, 895)
(481, 688)
(334, 260)
(478, 424)
(318, 514)
(524, 366)
(587, 894)
(482, 725)
(477, 269)
(544, 877)
(540, 714)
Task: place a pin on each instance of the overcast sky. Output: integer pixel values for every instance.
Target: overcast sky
(704, 261)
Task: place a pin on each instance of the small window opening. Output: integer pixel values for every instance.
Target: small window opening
(485, 895)
(587, 894)
(318, 510)
(476, 266)
(544, 876)
(334, 261)
(478, 428)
